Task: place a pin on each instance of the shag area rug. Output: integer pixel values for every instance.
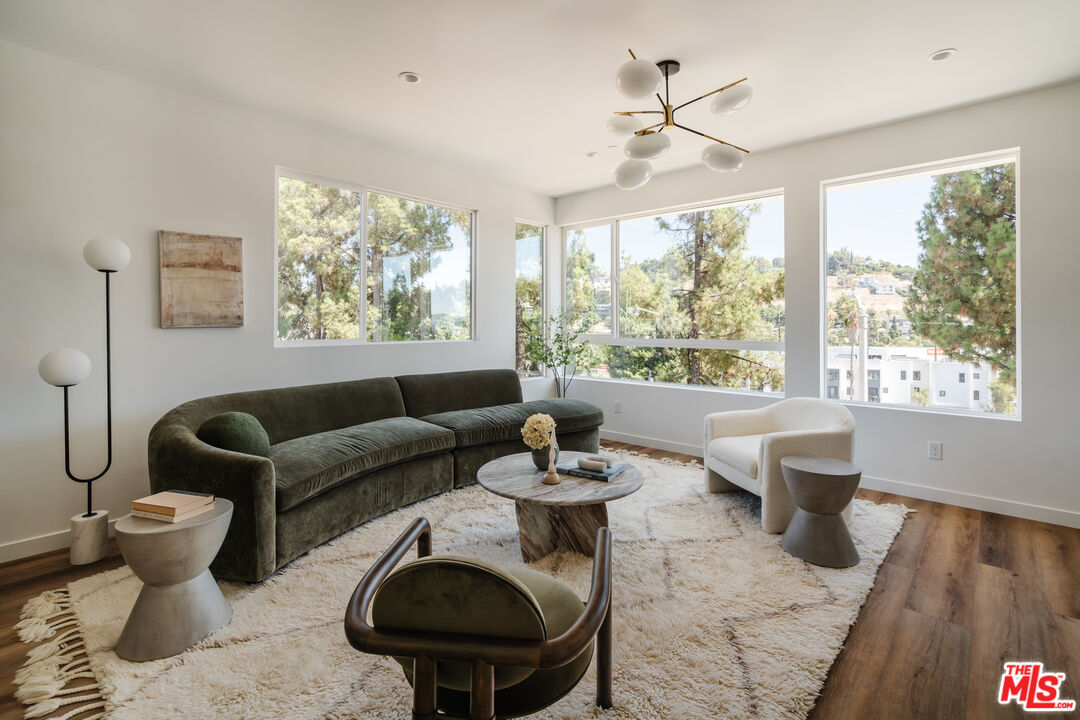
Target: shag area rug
(711, 618)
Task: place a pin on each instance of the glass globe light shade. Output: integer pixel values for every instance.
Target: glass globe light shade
(722, 158)
(632, 174)
(647, 147)
(64, 367)
(623, 125)
(106, 254)
(732, 99)
(638, 78)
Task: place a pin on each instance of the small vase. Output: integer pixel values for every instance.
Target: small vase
(540, 457)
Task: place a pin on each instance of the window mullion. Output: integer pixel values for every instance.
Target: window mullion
(363, 267)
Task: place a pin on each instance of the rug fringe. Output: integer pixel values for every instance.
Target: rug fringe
(661, 460)
(42, 682)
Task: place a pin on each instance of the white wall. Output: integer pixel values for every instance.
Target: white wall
(85, 153)
(1024, 467)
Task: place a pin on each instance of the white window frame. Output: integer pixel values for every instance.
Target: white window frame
(613, 338)
(292, 174)
(938, 167)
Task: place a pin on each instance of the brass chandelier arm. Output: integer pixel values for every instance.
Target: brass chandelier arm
(642, 131)
(631, 53)
(702, 97)
(710, 137)
(640, 112)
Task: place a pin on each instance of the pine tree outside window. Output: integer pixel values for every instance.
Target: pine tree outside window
(359, 266)
(921, 269)
(693, 297)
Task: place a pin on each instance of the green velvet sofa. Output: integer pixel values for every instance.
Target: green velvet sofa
(342, 453)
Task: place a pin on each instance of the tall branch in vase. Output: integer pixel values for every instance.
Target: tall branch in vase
(556, 345)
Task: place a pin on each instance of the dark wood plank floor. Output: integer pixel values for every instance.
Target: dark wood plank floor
(960, 593)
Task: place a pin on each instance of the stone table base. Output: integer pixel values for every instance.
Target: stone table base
(543, 529)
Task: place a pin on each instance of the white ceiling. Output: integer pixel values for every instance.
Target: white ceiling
(520, 89)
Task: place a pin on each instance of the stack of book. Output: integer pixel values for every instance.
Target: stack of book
(172, 505)
(572, 468)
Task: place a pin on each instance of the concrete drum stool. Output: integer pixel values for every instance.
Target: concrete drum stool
(821, 488)
(180, 603)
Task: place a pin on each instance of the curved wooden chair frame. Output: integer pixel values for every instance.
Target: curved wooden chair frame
(484, 652)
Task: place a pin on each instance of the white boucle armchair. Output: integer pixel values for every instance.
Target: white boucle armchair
(743, 449)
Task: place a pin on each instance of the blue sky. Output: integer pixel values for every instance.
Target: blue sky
(878, 220)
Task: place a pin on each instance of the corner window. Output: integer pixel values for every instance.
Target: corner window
(363, 266)
(693, 297)
(921, 270)
(528, 290)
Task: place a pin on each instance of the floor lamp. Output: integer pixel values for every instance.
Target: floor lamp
(67, 367)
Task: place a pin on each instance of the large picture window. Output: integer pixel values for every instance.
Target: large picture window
(695, 297)
(364, 266)
(921, 288)
(528, 290)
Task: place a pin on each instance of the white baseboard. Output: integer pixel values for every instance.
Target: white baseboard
(657, 443)
(1068, 518)
(1055, 516)
(27, 547)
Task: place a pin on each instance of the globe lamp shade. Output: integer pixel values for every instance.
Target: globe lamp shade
(64, 367)
(732, 100)
(722, 158)
(638, 78)
(632, 174)
(623, 125)
(106, 254)
(647, 147)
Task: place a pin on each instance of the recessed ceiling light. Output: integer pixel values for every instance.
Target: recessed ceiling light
(409, 77)
(943, 54)
(590, 154)
(612, 147)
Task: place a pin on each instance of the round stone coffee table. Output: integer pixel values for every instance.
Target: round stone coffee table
(821, 488)
(180, 602)
(565, 516)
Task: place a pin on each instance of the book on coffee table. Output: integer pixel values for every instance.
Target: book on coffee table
(572, 468)
(172, 503)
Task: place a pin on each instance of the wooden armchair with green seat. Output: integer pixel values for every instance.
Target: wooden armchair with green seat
(478, 641)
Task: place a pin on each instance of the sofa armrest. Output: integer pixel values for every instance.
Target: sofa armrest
(180, 461)
(736, 422)
(814, 443)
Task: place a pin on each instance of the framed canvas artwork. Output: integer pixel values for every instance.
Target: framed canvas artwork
(202, 280)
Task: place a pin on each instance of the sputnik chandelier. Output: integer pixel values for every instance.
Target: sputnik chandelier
(639, 78)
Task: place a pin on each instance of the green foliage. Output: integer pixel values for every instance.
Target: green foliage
(963, 295)
(320, 265)
(318, 261)
(1003, 394)
(920, 398)
(555, 344)
(704, 286)
(846, 262)
(528, 296)
(587, 285)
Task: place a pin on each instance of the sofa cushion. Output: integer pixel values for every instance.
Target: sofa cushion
(444, 392)
(739, 451)
(499, 423)
(236, 431)
(309, 465)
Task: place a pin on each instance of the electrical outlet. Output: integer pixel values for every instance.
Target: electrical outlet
(933, 449)
(618, 406)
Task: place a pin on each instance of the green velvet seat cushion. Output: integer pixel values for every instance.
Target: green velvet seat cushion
(309, 465)
(498, 423)
(447, 594)
(561, 608)
(236, 431)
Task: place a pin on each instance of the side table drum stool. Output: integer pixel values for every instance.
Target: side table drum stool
(821, 488)
(180, 603)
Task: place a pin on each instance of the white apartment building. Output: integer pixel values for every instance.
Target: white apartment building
(895, 374)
